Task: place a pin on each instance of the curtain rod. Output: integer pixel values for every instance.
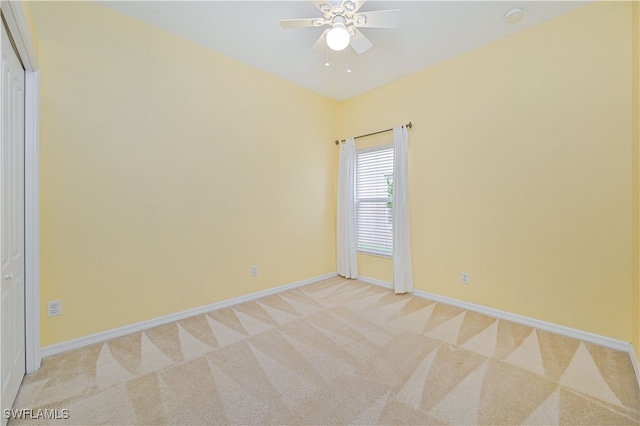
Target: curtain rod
(409, 125)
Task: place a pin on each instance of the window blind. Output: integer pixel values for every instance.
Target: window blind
(374, 198)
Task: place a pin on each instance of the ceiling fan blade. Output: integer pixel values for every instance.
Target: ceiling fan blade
(321, 43)
(297, 23)
(381, 19)
(360, 43)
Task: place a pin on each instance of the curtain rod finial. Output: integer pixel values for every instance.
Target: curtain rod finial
(337, 142)
(410, 125)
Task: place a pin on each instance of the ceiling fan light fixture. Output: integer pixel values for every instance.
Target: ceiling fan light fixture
(338, 37)
(344, 24)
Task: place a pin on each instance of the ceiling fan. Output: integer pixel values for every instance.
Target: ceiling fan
(344, 21)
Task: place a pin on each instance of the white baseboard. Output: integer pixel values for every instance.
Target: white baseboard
(531, 322)
(634, 361)
(144, 325)
(380, 283)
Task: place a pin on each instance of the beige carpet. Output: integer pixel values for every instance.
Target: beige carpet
(338, 352)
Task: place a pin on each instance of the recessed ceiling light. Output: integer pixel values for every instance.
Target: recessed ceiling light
(348, 70)
(326, 64)
(513, 16)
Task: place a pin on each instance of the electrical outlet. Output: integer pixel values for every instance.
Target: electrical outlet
(54, 308)
(465, 278)
(254, 270)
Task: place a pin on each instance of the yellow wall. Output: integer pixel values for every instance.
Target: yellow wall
(168, 170)
(520, 171)
(636, 176)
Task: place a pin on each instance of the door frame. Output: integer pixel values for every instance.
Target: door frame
(19, 30)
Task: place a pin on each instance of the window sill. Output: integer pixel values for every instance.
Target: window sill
(370, 253)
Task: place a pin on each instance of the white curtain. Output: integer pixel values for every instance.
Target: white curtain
(347, 259)
(402, 269)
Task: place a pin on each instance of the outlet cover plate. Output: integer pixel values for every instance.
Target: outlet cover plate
(54, 308)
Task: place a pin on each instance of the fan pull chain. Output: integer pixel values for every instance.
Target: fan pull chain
(326, 50)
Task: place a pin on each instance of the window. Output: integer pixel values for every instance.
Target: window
(374, 199)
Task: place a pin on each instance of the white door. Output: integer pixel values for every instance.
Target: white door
(12, 267)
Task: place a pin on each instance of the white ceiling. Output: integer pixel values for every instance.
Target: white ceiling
(429, 32)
